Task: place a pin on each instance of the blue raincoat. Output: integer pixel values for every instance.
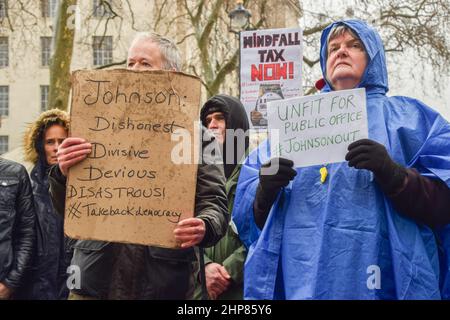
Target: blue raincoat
(443, 237)
(343, 239)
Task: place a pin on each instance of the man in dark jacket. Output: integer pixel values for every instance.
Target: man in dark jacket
(227, 119)
(123, 271)
(17, 226)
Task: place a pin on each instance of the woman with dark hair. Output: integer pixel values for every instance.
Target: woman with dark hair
(47, 279)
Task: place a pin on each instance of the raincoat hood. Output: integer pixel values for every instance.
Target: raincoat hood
(375, 78)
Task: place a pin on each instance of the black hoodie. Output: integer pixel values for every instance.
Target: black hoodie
(235, 118)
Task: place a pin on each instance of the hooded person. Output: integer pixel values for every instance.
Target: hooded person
(236, 121)
(226, 118)
(351, 236)
(47, 279)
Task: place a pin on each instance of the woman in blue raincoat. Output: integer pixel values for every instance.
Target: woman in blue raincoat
(351, 236)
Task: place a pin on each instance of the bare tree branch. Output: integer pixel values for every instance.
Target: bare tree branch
(112, 64)
(133, 20)
(160, 11)
(309, 62)
(226, 69)
(316, 29)
(185, 37)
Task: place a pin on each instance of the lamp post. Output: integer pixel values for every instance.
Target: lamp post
(239, 17)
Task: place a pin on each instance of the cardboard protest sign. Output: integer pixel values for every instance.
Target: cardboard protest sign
(317, 130)
(271, 69)
(129, 189)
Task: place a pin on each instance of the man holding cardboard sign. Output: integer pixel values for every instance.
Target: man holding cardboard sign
(338, 230)
(110, 270)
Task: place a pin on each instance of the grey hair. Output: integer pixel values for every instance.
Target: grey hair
(169, 50)
(339, 30)
(336, 32)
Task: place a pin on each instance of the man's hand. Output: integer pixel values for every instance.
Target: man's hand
(5, 292)
(190, 232)
(217, 280)
(71, 151)
(370, 155)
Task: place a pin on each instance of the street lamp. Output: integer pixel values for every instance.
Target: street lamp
(239, 17)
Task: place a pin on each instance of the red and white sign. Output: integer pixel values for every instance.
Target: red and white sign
(271, 69)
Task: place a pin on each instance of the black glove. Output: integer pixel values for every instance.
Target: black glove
(370, 155)
(270, 183)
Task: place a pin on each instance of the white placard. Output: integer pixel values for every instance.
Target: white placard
(271, 69)
(316, 130)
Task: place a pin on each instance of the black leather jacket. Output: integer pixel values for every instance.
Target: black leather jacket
(47, 277)
(126, 271)
(17, 223)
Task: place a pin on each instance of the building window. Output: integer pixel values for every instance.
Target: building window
(4, 100)
(4, 144)
(46, 51)
(44, 97)
(102, 50)
(3, 8)
(4, 52)
(48, 8)
(101, 9)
